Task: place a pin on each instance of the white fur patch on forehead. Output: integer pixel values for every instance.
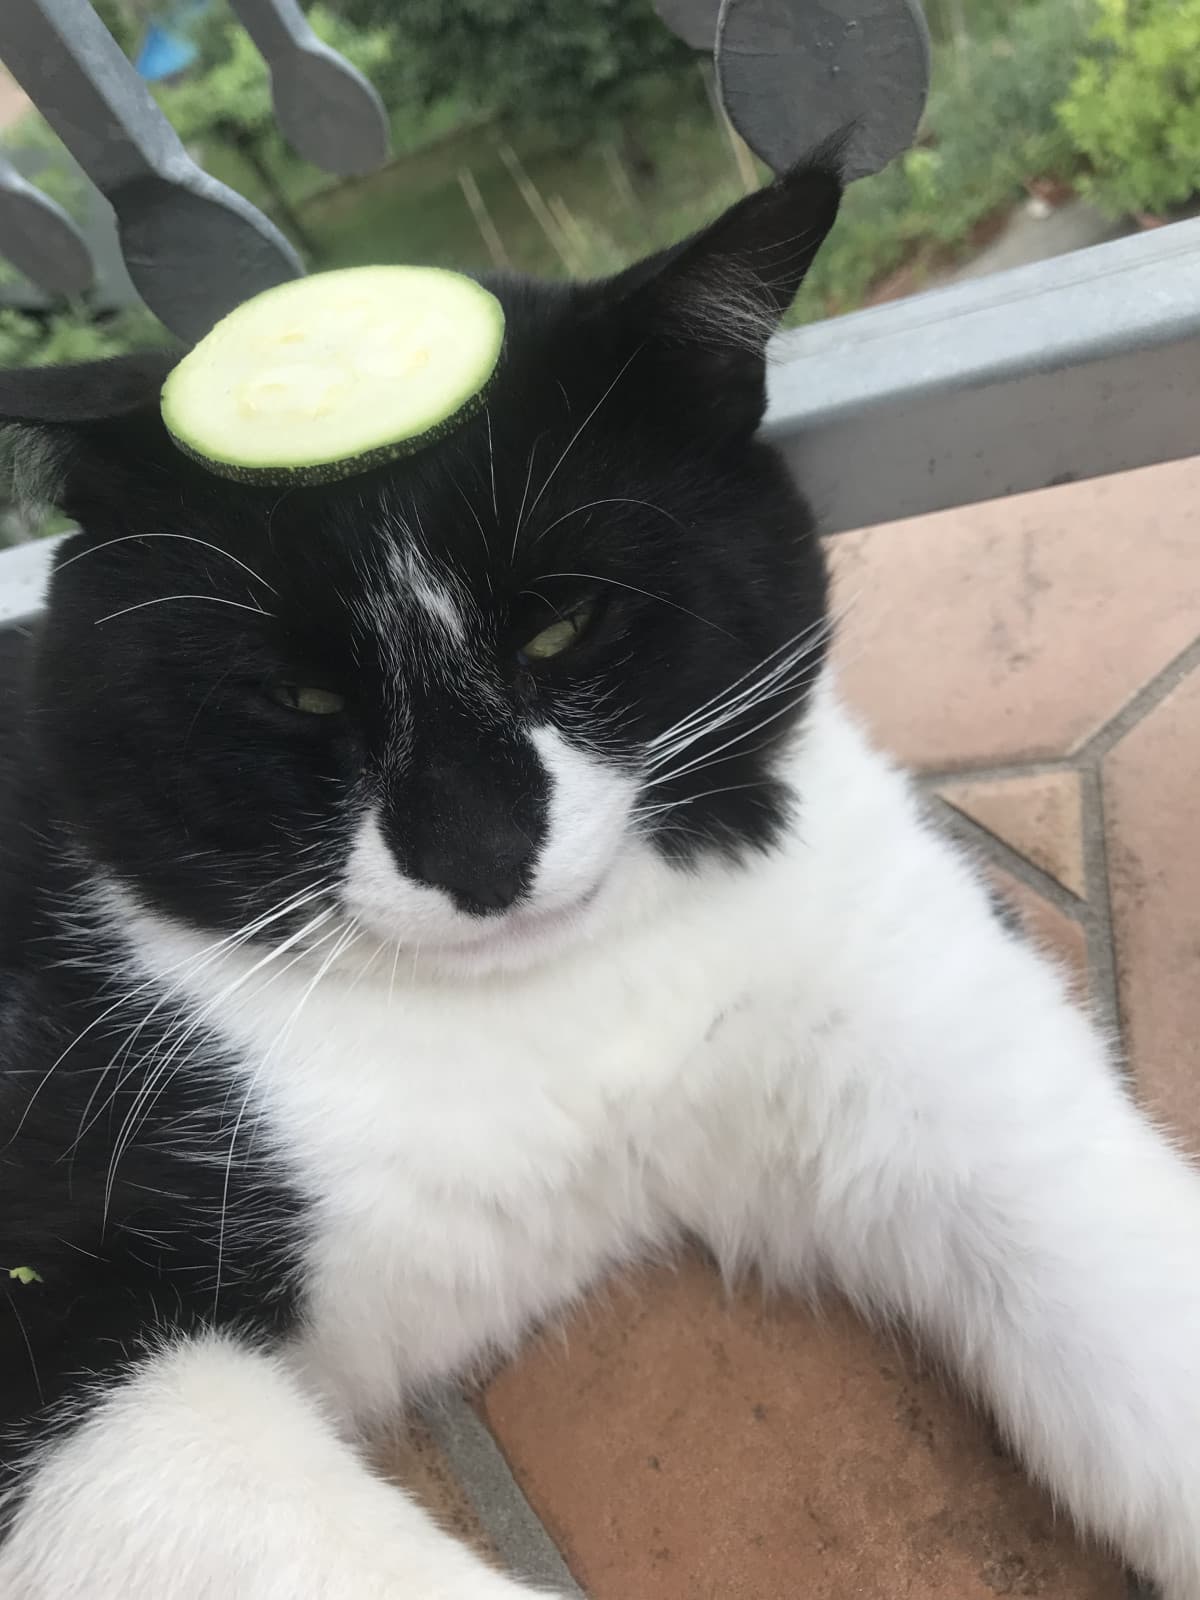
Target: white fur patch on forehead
(421, 587)
(417, 585)
(406, 585)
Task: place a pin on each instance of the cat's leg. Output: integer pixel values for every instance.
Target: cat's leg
(209, 1473)
(983, 1172)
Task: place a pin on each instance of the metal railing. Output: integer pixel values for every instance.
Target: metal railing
(1069, 369)
(193, 247)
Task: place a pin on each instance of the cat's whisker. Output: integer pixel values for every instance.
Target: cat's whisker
(808, 638)
(644, 815)
(699, 714)
(349, 937)
(618, 583)
(524, 497)
(196, 1022)
(798, 672)
(711, 757)
(573, 440)
(191, 968)
(769, 679)
(478, 523)
(163, 1069)
(167, 599)
(609, 500)
(395, 966)
(778, 681)
(800, 645)
(124, 999)
(187, 538)
(492, 463)
(367, 968)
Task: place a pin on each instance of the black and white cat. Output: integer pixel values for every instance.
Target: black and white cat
(425, 893)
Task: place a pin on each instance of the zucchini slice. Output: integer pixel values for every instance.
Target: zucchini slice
(325, 376)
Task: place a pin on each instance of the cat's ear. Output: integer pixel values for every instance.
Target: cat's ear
(707, 307)
(85, 435)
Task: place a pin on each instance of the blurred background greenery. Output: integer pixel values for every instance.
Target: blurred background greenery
(570, 136)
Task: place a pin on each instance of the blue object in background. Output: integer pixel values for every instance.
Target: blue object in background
(168, 47)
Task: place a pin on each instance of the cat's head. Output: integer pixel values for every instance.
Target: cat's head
(465, 701)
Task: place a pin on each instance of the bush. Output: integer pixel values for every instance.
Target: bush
(991, 126)
(571, 66)
(29, 340)
(1134, 108)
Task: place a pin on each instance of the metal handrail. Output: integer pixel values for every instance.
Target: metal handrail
(194, 248)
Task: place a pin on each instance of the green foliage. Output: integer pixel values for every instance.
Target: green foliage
(991, 126)
(125, 20)
(570, 65)
(1134, 107)
(35, 341)
(968, 19)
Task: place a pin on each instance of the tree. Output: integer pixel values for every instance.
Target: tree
(568, 65)
(1133, 111)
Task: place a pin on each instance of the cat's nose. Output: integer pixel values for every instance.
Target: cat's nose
(483, 875)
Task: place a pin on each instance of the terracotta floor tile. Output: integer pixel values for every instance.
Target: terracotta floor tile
(1015, 629)
(1039, 814)
(684, 1448)
(1152, 811)
(414, 1461)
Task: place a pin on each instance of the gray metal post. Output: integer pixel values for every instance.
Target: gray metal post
(327, 110)
(39, 238)
(194, 248)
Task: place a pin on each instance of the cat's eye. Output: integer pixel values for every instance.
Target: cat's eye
(314, 702)
(559, 636)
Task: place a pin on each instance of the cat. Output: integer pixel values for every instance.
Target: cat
(427, 893)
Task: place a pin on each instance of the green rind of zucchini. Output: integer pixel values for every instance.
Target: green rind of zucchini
(346, 466)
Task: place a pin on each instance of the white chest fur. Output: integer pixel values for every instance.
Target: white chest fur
(474, 1158)
(475, 1153)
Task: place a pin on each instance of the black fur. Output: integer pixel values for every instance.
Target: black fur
(146, 740)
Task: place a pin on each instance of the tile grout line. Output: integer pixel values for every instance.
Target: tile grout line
(996, 771)
(983, 843)
(1091, 914)
(1101, 936)
(1097, 745)
(478, 1465)
(1090, 756)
